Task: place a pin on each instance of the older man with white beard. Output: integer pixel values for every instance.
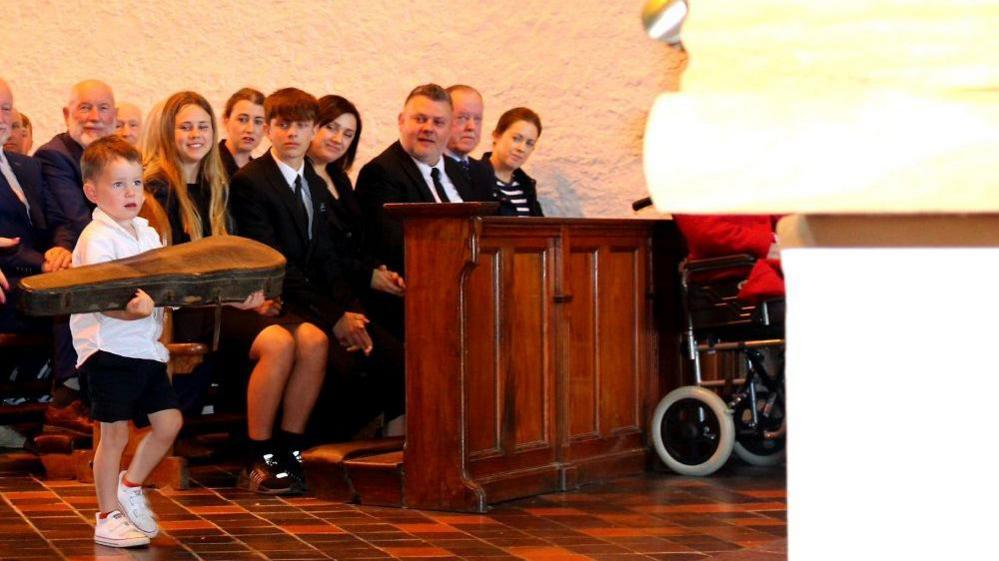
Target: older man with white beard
(90, 114)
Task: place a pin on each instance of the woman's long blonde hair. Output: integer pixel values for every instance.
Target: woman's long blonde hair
(162, 163)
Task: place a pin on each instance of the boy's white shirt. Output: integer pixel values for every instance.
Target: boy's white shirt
(101, 241)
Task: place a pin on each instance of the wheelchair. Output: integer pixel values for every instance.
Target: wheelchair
(696, 428)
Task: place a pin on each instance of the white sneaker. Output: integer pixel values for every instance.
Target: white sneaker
(117, 531)
(133, 505)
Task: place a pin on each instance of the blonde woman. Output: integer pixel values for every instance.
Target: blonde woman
(185, 174)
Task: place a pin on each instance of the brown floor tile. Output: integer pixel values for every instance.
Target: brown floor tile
(737, 515)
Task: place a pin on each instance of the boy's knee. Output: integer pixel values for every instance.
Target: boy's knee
(274, 341)
(310, 338)
(114, 435)
(167, 424)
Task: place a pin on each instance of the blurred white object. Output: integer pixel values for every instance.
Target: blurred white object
(848, 106)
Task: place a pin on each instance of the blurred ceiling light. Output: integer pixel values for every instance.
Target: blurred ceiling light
(663, 19)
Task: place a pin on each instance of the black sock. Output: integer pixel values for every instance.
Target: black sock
(260, 448)
(292, 442)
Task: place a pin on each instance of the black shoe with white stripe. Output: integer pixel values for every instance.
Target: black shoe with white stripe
(295, 464)
(267, 476)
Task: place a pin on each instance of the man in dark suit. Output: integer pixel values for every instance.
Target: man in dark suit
(278, 199)
(89, 115)
(25, 219)
(412, 170)
(466, 130)
(22, 216)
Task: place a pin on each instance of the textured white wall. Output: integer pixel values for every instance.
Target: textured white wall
(585, 66)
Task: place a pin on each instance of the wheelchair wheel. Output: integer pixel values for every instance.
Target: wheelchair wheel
(750, 445)
(692, 431)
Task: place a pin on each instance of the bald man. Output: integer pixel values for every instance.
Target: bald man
(129, 122)
(89, 114)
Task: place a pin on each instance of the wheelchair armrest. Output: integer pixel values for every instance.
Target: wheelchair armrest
(715, 263)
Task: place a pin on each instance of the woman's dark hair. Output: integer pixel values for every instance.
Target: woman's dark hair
(330, 108)
(514, 115)
(249, 94)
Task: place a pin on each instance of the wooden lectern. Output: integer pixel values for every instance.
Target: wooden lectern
(533, 353)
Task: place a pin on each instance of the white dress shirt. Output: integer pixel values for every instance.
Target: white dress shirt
(290, 174)
(449, 189)
(101, 241)
(15, 186)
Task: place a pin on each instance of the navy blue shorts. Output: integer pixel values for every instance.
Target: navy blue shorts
(127, 389)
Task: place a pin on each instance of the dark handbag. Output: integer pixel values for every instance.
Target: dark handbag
(213, 270)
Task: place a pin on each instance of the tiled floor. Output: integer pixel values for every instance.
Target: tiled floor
(737, 514)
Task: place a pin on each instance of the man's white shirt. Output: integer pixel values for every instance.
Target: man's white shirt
(449, 188)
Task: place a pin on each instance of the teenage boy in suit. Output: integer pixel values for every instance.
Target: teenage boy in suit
(278, 199)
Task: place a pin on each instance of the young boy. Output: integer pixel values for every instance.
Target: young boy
(119, 352)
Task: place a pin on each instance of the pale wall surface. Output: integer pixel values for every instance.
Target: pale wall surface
(585, 66)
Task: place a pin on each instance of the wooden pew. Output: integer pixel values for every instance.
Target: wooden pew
(536, 350)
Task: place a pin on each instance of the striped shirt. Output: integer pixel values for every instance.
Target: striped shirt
(512, 197)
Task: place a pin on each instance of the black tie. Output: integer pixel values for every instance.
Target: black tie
(467, 167)
(435, 174)
(301, 203)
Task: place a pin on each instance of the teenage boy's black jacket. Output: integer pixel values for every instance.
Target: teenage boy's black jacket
(264, 208)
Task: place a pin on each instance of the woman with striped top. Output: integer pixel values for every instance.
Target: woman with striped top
(514, 139)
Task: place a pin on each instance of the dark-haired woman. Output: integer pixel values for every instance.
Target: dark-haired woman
(243, 121)
(332, 152)
(514, 139)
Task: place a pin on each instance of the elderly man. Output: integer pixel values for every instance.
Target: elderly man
(24, 219)
(89, 114)
(129, 122)
(412, 170)
(466, 131)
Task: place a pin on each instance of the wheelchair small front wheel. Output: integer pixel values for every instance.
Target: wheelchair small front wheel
(750, 444)
(692, 431)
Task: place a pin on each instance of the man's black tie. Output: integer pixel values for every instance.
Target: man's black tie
(303, 213)
(435, 174)
(466, 166)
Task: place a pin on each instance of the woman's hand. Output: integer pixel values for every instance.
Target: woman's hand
(388, 281)
(252, 301)
(351, 333)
